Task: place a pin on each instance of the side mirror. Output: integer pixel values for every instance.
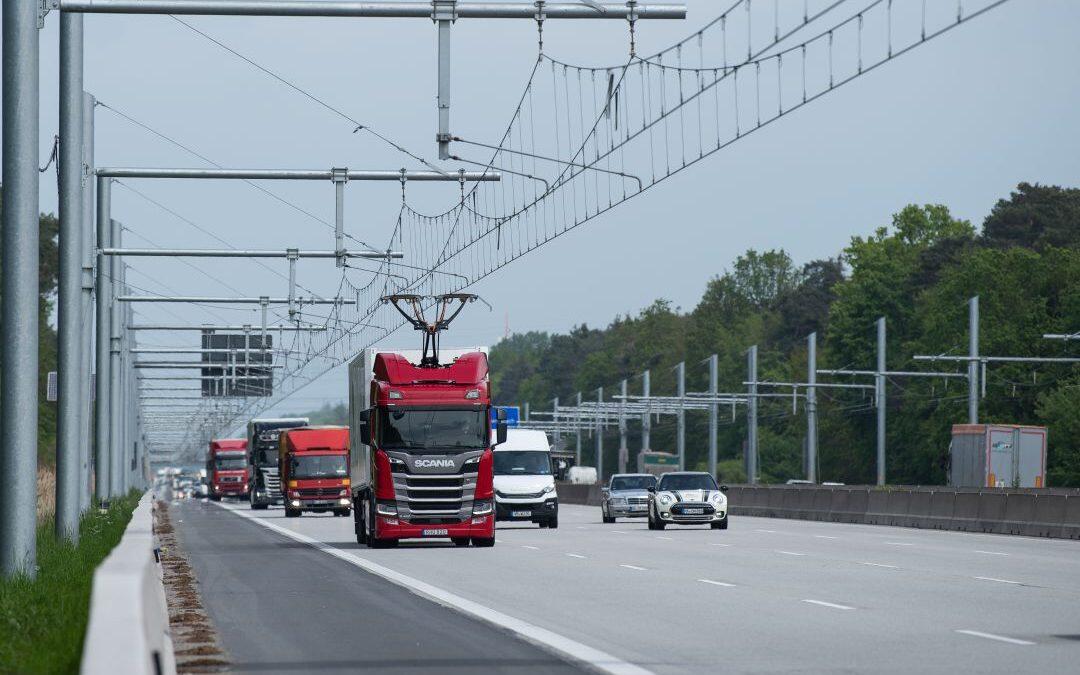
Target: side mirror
(500, 414)
(363, 419)
(724, 489)
(500, 429)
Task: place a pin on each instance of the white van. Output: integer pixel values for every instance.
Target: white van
(524, 484)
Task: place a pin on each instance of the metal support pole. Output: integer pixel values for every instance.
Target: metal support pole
(102, 377)
(19, 360)
(292, 255)
(116, 440)
(811, 408)
(714, 410)
(879, 379)
(600, 437)
(680, 391)
(646, 422)
(444, 13)
(973, 364)
(751, 417)
(86, 392)
(69, 303)
(623, 452)
(340, 177)
(577, 430)
(558, 432)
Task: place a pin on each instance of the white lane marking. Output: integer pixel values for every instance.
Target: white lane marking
(575, 555)
(828, 604)
(718, 544)
(498, 541)
(891, 567)
(991, 636)
(634, 567)
(581, 527)
(572, 649)
(665, 538)
(533, 548)
(1000, 581)
(899, 543)
(618, 532)
(824, 536)
(790, 553)
(768, 531)
(990, 552)
(716, 583)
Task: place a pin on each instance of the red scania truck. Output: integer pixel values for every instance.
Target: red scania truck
(421, 442)
(314, 463)
(226, 468)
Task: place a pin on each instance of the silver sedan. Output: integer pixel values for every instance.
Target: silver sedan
(626, 496)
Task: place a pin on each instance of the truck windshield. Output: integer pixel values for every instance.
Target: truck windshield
(266, 457)
(632, 482)
(432, 428)
(319, 466)
(522, 463)
(230, 463)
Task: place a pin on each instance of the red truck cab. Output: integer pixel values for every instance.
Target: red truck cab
(314, 464)
(422, 449)
(227, 468)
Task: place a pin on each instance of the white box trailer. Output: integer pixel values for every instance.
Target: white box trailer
(361, 372)
(997, 455)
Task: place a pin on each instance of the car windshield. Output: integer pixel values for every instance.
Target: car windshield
(687, 481)
(432, 429)
(230, 463)
(632, 482)
(319, 466)
(522, 463)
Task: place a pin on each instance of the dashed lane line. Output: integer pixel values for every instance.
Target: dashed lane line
(577, 651)
(531, 548)
(766, 531)
(634, 567)
(717, 583)
(997, 638)
(1000, 581)
(575, 555)
(899, 543)
(824, 536)
(665, 538)
(873, 564)
(990, 552)
(832, 605)
(789, 553)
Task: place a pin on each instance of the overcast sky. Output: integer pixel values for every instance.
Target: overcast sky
(959, 121)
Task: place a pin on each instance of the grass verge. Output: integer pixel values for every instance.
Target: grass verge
(43, 620)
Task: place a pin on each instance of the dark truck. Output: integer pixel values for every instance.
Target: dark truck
(262, 445)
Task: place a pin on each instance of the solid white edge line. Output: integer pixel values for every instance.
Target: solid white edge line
(828, 604)
(999, 638)
(1000, 581)
(717, 583)
(542, 637)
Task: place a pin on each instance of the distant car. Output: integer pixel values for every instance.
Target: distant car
(799, 481)
(687, 498)
(626, 496)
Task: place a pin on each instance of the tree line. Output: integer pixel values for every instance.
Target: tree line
(918, 272)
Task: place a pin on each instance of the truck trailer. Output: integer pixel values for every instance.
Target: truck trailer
(263, 435)
(422, 463)
(227, 468)
(314, 463)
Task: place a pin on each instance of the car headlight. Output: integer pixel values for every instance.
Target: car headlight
(549, 488)
(618, 501)
(717, 498)
(666, 499)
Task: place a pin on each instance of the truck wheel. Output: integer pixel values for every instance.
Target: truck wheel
(359, 526)
(292, 513)
(382, 543)
(609, 519)
(460, 541)
(215, 498)
(344, 513)
(483, 543)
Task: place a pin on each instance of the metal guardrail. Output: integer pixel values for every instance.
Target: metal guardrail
(128, 631)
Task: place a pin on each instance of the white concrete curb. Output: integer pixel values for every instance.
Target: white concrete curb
(128, 631)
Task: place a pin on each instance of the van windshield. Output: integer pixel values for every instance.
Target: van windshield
(522, 463)
(432, 428)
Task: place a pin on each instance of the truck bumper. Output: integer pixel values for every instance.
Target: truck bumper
(394, 528)
(319, 504)
(230, 489)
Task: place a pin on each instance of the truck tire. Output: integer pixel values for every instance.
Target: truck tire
(381, 543)
(609, 519)
(215, 498)
(483, 543)
(359, 526)
(344, 513)
(460, 542)
(292, 513)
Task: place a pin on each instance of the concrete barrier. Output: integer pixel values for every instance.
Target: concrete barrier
(918, 510)
(941, 509)
(992, 512)
(1049, 516)
(1070, 519)
(128, 630)
(1019, 513)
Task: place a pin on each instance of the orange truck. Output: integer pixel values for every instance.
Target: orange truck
(314, 464)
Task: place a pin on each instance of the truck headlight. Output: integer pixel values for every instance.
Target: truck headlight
(665, 499)
(482, 507)
(386, 509)
(344, 502)
(296, 502)
(343, 493)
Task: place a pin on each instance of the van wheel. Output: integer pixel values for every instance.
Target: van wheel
(553, 523)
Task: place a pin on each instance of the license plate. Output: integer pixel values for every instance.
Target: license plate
(434, 533)
(521, 514)
(694, 512)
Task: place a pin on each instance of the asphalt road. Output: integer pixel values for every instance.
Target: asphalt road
(766, 595)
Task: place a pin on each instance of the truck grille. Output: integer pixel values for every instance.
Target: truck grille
(320, 492)
(229, 479)
(272, 482)
(446, 496)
